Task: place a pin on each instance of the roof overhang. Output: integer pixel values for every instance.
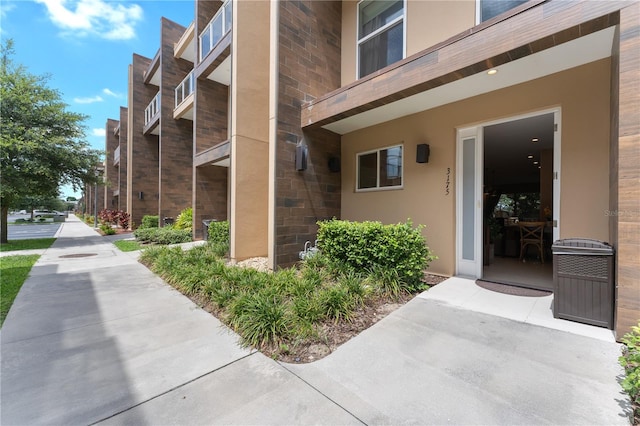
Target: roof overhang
(556, 38)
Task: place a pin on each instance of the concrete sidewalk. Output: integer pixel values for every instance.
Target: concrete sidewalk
(94, 337)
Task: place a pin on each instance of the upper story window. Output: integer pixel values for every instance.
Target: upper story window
(380, 169)
(380, 34)
(487, 9)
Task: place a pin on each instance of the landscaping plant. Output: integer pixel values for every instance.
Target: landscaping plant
(218, 237)
(184, 219)
(398, 253)
(281, 311)
(630, 361)
(150, 221)
(165, 235)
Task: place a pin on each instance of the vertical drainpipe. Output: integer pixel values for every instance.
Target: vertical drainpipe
(274, 63)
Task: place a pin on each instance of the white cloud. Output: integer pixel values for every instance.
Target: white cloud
(6, 8)
(110, 93)
(99, 132)
(109, 20)
(88, 100)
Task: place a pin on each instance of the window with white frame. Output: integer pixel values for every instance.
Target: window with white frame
(379, 169)
(380, 34)
(488, 9)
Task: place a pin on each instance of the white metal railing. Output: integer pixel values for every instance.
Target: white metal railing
(152, 109)
(215, 30)
(116, 155)
(184, 89)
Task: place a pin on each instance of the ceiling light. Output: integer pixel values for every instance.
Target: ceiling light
(534, 140)
(492, 72)
(529, 156)
(535, 162)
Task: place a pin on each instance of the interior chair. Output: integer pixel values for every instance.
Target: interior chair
(531, 234)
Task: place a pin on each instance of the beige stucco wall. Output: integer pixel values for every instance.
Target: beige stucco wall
(249, 172)
(583, 96)
(427, 23)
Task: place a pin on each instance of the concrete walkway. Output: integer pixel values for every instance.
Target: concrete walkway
(100, 339)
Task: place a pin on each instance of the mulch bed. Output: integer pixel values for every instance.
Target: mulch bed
(333, 334)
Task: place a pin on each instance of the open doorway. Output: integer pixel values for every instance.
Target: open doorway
(518, 202)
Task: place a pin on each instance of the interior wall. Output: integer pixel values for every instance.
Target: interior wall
(428, 196)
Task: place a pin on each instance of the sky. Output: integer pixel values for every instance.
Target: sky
(85, 46)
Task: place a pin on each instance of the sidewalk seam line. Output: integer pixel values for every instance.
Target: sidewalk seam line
(81, 326)
(323, 394)
(172, 389)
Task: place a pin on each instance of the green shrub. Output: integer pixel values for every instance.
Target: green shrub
(630, 361)
(150, 221)
(184, 219)
(145, 235)
(107, 229)
(219, 237)
(164, 236)
(172, 236)
(368, 246)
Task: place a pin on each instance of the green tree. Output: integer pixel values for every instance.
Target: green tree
(42, 144)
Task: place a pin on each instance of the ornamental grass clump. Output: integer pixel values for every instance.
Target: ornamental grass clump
(293, 307)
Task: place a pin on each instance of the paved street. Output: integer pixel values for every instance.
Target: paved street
(32, 230)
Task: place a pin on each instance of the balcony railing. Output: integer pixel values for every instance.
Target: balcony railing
(184, 89)
(215, 30)
(116, 155)
(152, 109)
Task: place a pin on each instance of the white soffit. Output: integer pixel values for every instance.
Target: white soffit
(568, 55)
(155, 78)
(222, 74)
(222, 163)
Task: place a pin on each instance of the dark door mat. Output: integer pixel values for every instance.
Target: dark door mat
(511, 289)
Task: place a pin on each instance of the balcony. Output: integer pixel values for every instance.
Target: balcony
(215, 30)
(152, 116)
(185, 47)
(116, 156)
(184, 98)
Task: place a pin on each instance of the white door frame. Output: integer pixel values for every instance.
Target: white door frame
(464, 265)
(473, 267)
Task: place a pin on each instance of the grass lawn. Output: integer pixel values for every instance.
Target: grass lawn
(32, 244)
(13, 272)
(127, 245)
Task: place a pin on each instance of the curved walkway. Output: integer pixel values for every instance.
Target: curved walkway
(95, 337)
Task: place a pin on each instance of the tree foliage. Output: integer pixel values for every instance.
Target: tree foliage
(42, 144)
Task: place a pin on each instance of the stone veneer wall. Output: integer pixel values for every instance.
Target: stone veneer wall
(309, 57)
(625, 195)
(211, 103)
(111, 170)
(143, 157)
(122, 170)
(210, 196)
(176, 136)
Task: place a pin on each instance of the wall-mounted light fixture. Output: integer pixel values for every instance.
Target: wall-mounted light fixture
(334, 164)
(301, 157)
(422, 153)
